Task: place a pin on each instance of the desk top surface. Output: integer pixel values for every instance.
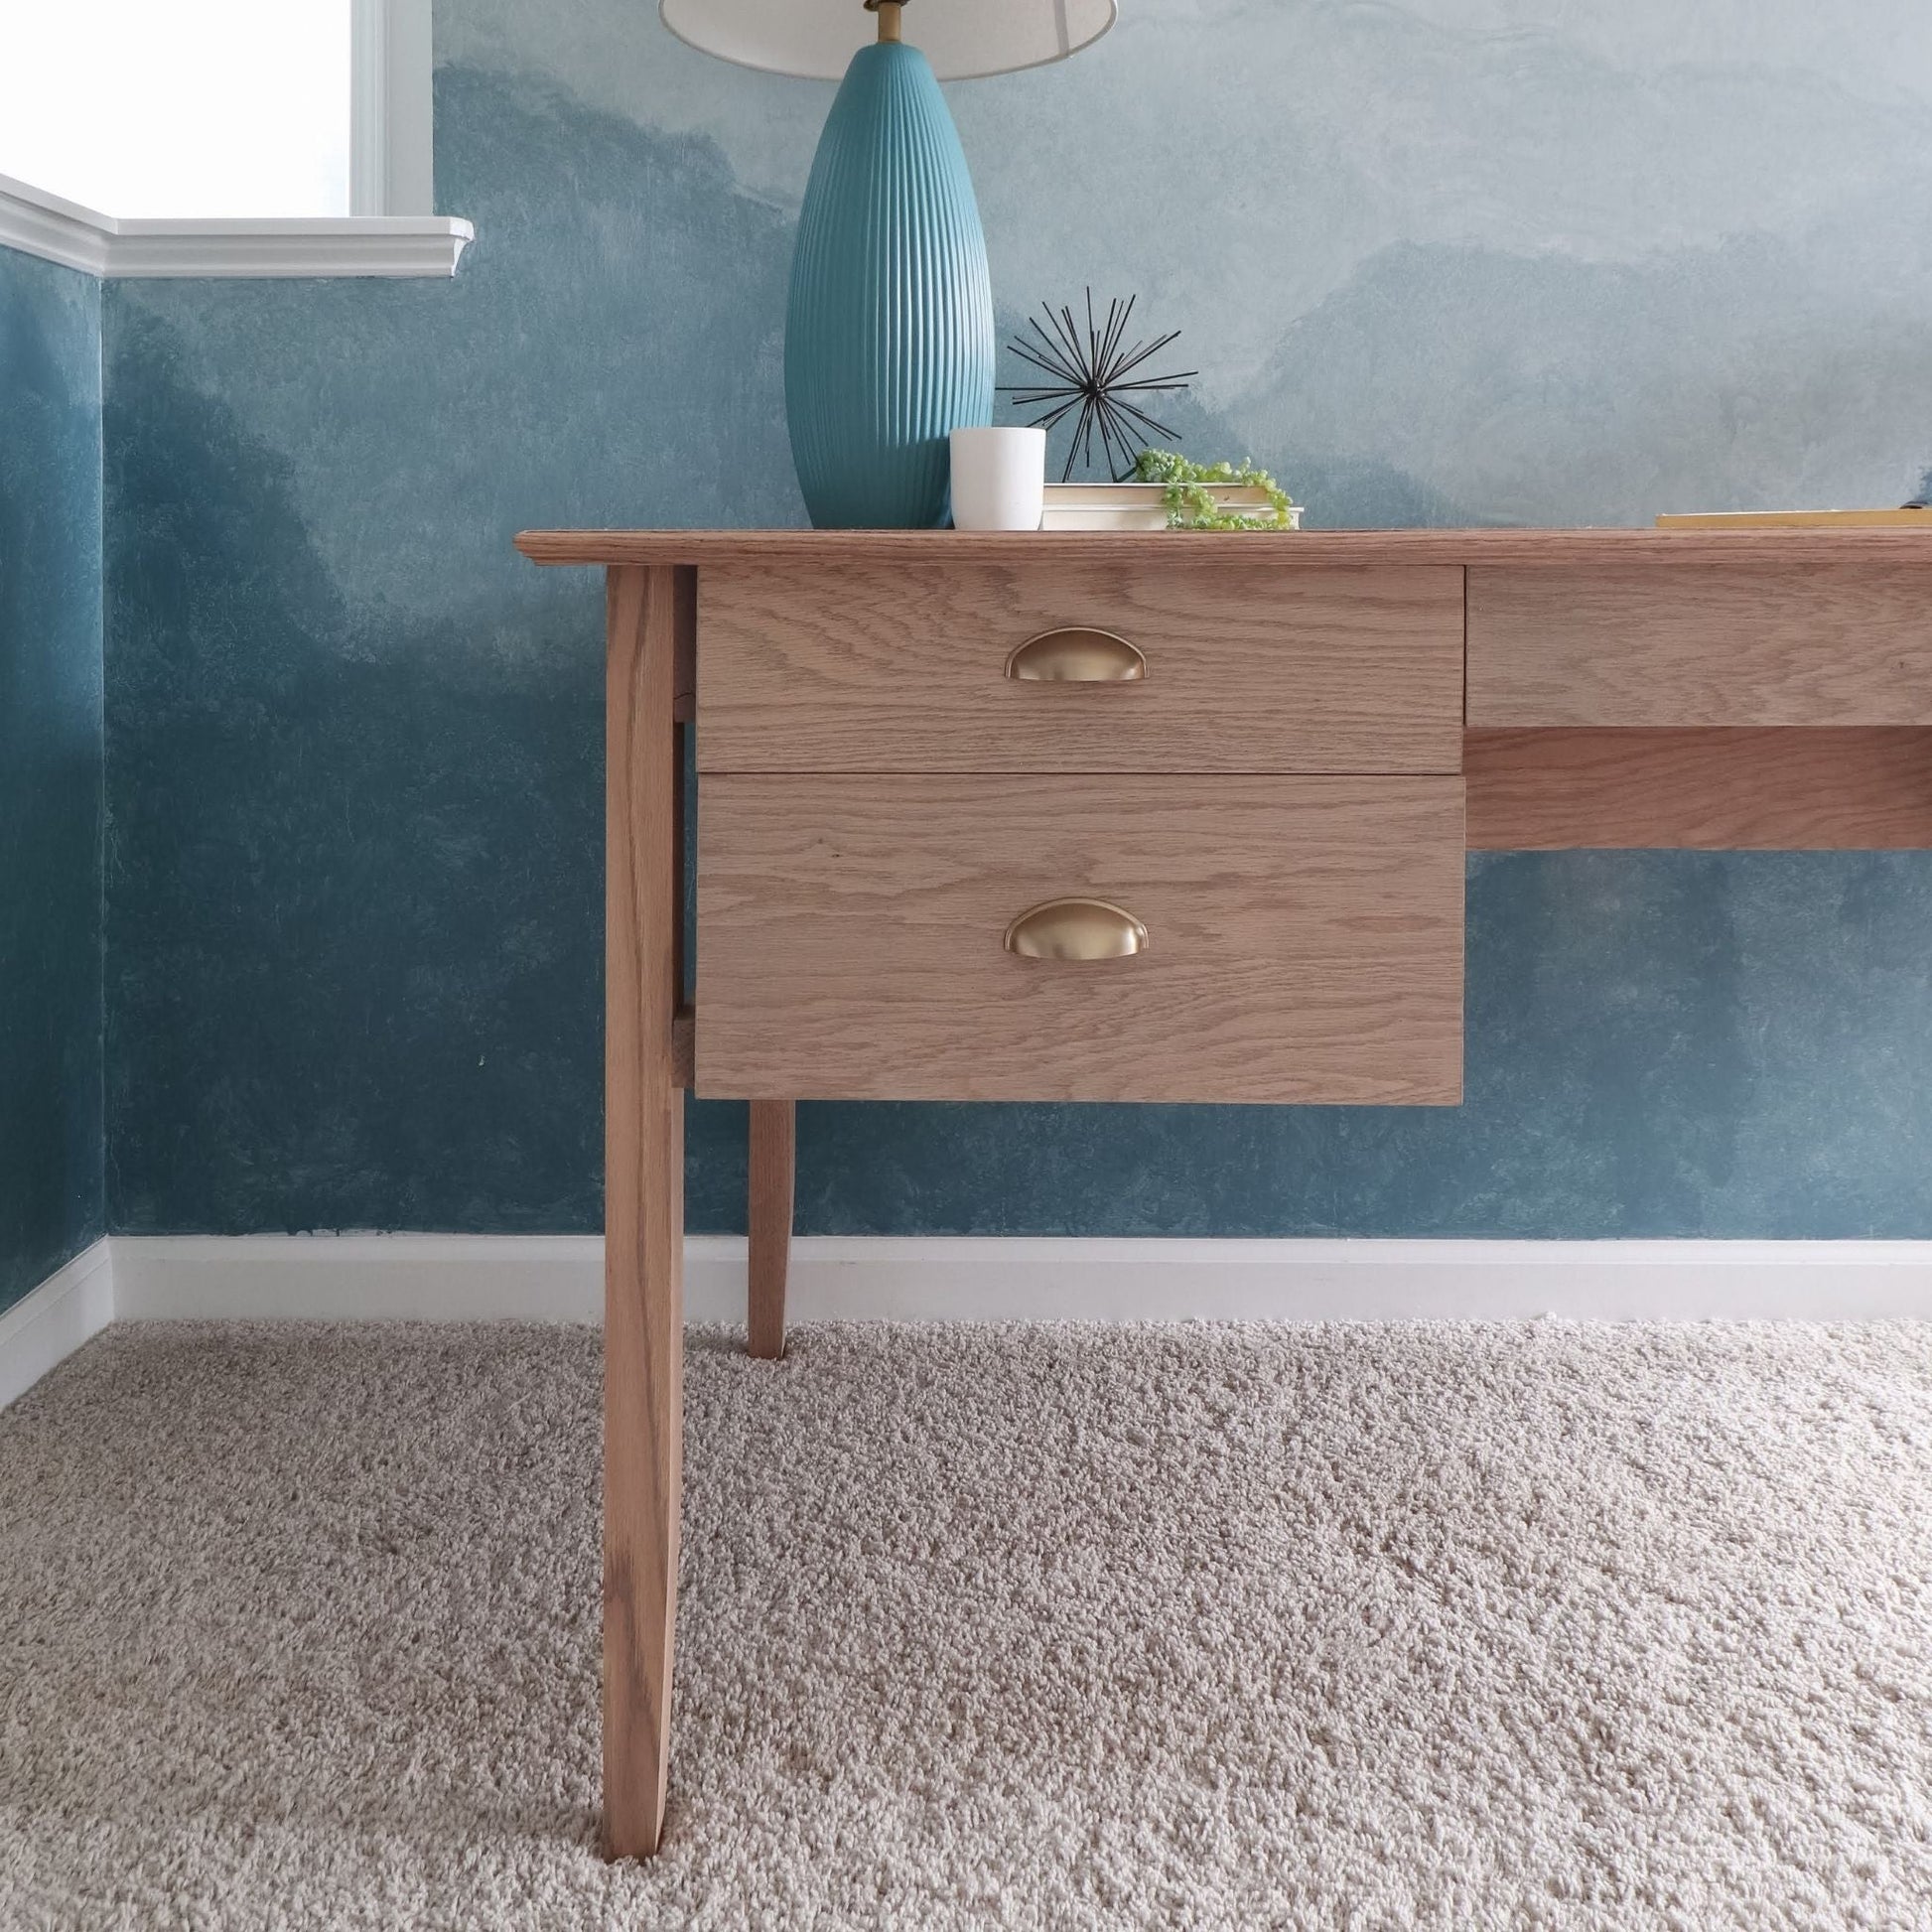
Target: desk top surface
(1573, 549)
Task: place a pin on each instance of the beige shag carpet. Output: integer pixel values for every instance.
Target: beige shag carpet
(1198, 1627)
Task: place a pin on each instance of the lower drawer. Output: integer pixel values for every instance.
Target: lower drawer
(1303, 939)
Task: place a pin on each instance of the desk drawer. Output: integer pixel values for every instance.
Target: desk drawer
(1264, 668)
(1701, 645)
(1304, 938)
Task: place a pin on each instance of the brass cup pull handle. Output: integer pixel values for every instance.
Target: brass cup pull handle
(1077, 655)
(1077, 928)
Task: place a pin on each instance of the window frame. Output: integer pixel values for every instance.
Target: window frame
(391, 149)
(392, 229)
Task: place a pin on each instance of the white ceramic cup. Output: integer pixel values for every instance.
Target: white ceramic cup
(999, 478)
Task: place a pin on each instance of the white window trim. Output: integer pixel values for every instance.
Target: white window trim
(391, 164)
(391, 232)
(38, 223)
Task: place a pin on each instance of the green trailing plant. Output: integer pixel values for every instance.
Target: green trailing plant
(1189, 493)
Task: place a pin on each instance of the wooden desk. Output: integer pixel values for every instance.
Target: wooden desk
(1257, 841)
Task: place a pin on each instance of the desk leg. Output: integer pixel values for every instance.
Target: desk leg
(643, 1199)
(772, 1154)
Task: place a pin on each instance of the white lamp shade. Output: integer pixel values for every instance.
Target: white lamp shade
(816, 39)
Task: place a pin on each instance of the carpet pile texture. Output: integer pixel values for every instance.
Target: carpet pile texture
(1542, 1625)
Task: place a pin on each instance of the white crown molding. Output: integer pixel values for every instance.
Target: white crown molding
(353, 244)
(933, 1278)
(73, 1306)
(44, 224)
(57, 230)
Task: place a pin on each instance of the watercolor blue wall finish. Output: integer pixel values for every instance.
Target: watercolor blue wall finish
(1474, 260)
(50, 770)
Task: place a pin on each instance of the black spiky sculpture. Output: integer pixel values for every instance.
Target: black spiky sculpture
(1098, 376)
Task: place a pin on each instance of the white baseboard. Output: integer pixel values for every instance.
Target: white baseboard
(73, 1306)
(359, 1278)
(839, 1278)
(559, 1277)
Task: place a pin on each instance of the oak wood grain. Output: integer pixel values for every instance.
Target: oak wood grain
(1528, 548)
(1773, 789)
(867, 668)
(1306, 938)
(1818, 645)
(771, 1166)
(644, 1212)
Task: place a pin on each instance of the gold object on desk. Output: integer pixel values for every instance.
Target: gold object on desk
(1077, 655)
(1908, 519)
(1077, 928)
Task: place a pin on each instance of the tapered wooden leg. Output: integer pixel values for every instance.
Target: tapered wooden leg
(643, 1206)
(773, 1153)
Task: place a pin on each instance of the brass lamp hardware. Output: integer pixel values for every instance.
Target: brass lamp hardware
(1077, 928)
(1077, 655)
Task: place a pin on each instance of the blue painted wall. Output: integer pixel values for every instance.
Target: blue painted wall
(50, 770)
(1472, 260)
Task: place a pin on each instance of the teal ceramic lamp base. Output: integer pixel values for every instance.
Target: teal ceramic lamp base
(889, 327)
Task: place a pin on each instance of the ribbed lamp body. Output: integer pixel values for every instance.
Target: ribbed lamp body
(889, 327)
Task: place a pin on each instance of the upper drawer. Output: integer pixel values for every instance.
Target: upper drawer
(881, 668)
(1701, 645)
